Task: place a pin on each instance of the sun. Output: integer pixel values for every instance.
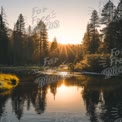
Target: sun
(65, 40)
(68, 40)
(64, 37)
(65, 49)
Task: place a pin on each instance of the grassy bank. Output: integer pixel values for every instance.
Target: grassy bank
(8, 81)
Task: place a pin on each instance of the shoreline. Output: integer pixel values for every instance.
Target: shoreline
(27, 71)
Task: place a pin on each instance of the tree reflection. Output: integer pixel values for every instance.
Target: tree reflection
(53, 88)
(18, 99)
(102, 98)
(91, 99)
(40, 100)
(104, 95)
(28, 95)
(112, 109)
(3, 99)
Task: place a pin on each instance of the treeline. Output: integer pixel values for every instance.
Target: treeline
(103, 33)
(27, 46)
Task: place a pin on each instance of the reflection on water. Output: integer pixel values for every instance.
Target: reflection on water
(74, 99)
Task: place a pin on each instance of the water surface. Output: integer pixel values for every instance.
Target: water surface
(72, 99)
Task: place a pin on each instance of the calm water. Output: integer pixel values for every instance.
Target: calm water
(72, 99)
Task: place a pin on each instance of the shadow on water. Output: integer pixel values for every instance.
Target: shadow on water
(102, 98)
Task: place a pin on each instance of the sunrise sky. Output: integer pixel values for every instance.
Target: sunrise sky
(71, 16)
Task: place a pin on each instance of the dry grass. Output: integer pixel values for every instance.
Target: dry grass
(8, 81)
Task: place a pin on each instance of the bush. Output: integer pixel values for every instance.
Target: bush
(8, 81)
(92, 63)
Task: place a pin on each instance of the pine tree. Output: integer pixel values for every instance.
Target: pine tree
(41, 28)
(91, 39)
(86, 40)
(113, 34)
(4, 40)
(20, 25)
(54, 48)
(108, 12)
(118, 14)
(94, 23)
(94, 19)
(19, 41)
(54, 45)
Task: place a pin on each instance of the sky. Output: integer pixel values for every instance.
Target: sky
(65, 19)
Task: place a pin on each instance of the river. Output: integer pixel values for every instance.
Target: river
(76, 98)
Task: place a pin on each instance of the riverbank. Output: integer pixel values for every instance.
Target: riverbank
(8, 81)
(33, 71)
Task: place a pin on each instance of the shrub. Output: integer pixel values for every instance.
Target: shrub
(92, 63)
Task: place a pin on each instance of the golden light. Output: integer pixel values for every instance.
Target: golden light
(63, 74)
(65, 92)
(65, 99)
(65, 49)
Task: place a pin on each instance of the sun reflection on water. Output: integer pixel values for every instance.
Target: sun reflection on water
(63, 74)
